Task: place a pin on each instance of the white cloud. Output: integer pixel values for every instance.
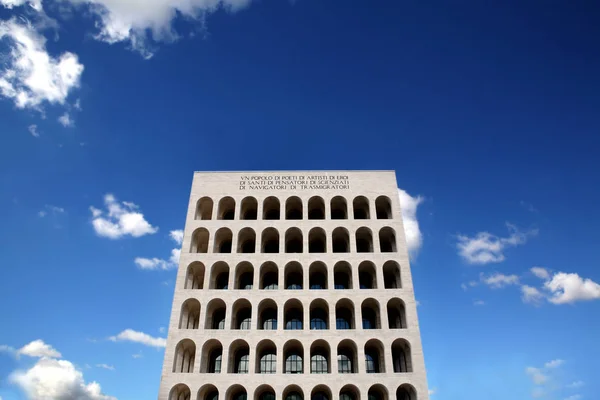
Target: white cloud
(30, 76)
(139, 337)
(432, 391)
(51, 379)
(137, 355)
(576, 384)
(120, 219)
(177, 236)
(479, 303)
(106, 366)
(412, 232)
(536, 375)
(7, 349)
(77, 105)
(554, 363)
(485, 248)
(532, 295)
(33, 130)
(569, 288)
(136, 21)
(38, 348)
(159, 263)
(573, 397)
(35, 4)
(50, 209)
(498, 280)
(152, 263)
(540, 272)
(162, 329)
(66, 121)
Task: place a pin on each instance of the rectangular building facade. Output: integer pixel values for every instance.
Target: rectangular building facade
(294, 285)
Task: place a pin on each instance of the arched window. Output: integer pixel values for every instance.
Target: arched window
(396, 314)
(266, 357)
(293, 392)
(223, 239)
(349, 392)
(344, 314)
(190, 314)
(364, 240)
(317, 242)
(226, 208)
(340, 240)
(361, 208)
(239, 359)
(269, 276)
(342, 275)
(346, 357)
(238, 393)
(374, 357)
(180, 392)
(383, 207)
(391, 275)
(264, 392)
(185, 353)
(271, 208)
(242, 313)
(317, 276)
(215, 314)
(212, 357)
(293, 315)
(293, 353)
(339, 208)
(366, 275)
(319, 315)
(387, 240)
(195, 276)
(401, 356)
(319, 357)
(377, 392)
(246, 241)
(219, 277)
(406, 392)
(270, 241)
(204, 208)
(293, 208)
(316, 208)
(249, 208)
(293, 240)
(293, 276)
(267, 315)
(199, 241)
(370, 314)
(244, 276)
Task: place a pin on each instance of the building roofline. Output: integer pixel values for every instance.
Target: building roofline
(296, 170)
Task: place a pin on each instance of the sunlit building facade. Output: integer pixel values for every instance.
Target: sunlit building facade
(294, 285)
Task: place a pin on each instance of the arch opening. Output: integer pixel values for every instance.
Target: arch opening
(267, 315)
(383, 207)
(223, 240)
(199, 241)
(342, 275)
(269, 276)
(195, 276)
(246, 241)
(387, 240)
(293, 240)
(360, 206)
(317, 278)
(364, 240)
(271, 208)
(226, 208)
(293, 208)
(340, 240)
(204, 208)
(185, 354)
(339, 208)
(190, 314)
(293, 315)
(270, 241)
(293, 276)
(317, 242)
(316, 208)
(249, 208)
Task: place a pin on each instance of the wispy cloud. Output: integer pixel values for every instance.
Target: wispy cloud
(29, 75)
(412, 231)
(130, 335)
(485, 248)
(540, 272)
(479, 303)
(66, 121)
(33, 129)
(498, 280)
(531, 295)
(575, 385)
(120, 219)
(106, 366)
(50, 209)
(159, 263)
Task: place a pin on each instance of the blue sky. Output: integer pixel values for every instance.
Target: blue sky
(488, 111)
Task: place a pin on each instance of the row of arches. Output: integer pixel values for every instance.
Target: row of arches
(293, 392)
(293, 208)
(319, 315)
(293, 277)
(293, 241)
(292, 357)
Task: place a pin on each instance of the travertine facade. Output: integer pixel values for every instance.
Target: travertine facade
(294, 285)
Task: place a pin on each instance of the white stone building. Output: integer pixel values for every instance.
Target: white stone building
(294, 285)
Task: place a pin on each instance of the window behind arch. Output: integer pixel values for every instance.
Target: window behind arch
(293, 364)
(318, 364)
(216, 357)
(344, 364)
(268, 363)
(269, 319)
(214, 395)
(320, 396)
(293, 396)
(268, 395)
(318, 320)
